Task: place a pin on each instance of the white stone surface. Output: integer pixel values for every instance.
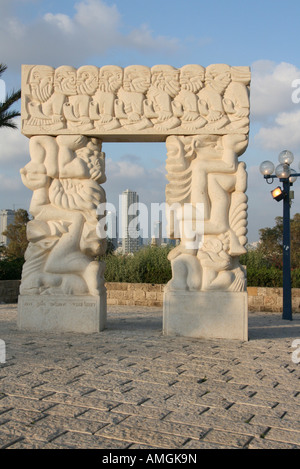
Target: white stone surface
(137, 103)
(206, 315)
(203, 115)
(204, 173)
(2, 351)
(65, 175)
(86, 314)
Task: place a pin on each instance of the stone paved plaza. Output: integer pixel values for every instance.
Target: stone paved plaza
(131, 387)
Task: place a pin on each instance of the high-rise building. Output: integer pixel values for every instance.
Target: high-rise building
(157, 235)
(112, 227)
(130, 224)
(6, 218)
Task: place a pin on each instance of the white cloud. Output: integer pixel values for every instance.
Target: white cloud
(62, 22)
(285, 132)
(149, 183)
(144, 40)
(14, 148)
(271, 89)
(272, 106)
(94, 29)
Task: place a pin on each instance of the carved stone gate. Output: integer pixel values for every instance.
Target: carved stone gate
(203, 115)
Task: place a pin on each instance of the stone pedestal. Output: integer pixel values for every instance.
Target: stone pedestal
(84, 314)
(206, 314)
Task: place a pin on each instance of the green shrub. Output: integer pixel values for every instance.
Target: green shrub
(11, 268)
(296, 278)
(264, 277)
(148, 265)
(254, 259)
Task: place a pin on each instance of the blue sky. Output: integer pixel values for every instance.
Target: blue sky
(262, 34)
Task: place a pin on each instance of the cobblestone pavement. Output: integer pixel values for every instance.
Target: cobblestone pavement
(130, 387)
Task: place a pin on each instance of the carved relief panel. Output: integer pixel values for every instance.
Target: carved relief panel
(65, 174)
(135, 103)
(204, 174)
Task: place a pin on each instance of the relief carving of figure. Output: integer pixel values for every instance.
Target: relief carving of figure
(77, 109)
(217, 78)
(164, 87)
(64, 174)
(43, 110)
(236, 99)
(191, 82)
(129, 107)
(204, 172)
(102, 108)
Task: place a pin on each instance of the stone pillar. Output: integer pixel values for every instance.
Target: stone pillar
(207, 296)
(62, 284)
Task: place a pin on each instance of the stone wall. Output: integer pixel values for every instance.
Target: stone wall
(141, 294)
(270, 299)
(144, 294)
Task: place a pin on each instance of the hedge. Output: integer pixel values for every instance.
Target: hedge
(151, 265)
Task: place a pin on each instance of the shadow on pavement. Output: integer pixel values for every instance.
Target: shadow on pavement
(272, 326)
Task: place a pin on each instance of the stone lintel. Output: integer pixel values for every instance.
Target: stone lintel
(135, 103)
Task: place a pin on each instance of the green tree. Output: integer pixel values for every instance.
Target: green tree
(271, 242)
(16, 234)
(6, 114)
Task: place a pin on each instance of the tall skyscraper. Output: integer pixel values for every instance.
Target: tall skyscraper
(130, 224)
(157, 235)
(112, 227)
(6, 218)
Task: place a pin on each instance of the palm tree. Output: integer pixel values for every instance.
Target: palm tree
(6, 115)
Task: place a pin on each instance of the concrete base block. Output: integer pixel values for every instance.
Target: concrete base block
(206, 314)
(85, 314)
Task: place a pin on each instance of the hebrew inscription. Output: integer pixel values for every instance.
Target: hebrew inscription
(136, 102)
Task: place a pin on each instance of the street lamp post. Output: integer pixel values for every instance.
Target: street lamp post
(287, 176)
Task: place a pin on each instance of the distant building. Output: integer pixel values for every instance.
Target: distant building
(157, 233)
(130, 236)
(172, 242)
(112, 227)
(6, 218)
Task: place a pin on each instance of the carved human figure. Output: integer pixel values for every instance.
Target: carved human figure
(64, 174)
(220, 271)
(77, 109)
(236, 98)
(42, 109)
(217, 78)
(164, 87)
(49, 116)
(64, 87)
(191, 82)
(204, 172)
(129, 107)
(102, 107)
